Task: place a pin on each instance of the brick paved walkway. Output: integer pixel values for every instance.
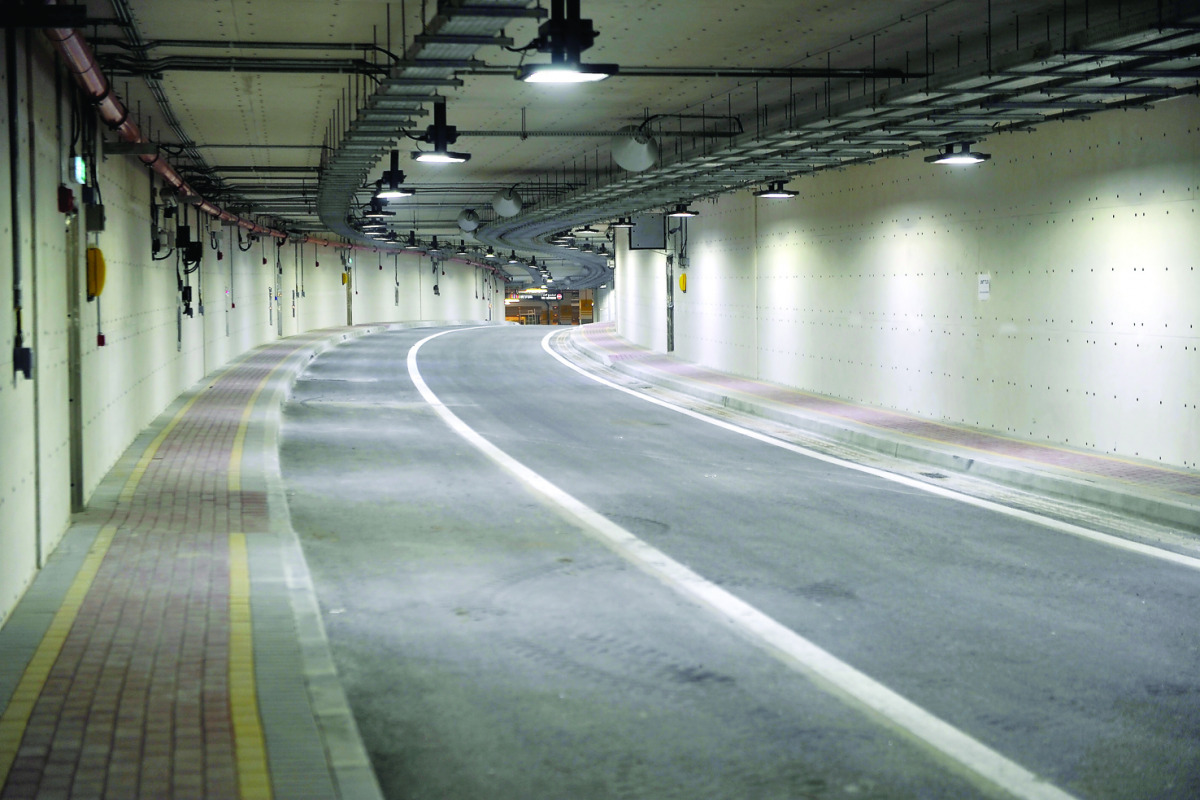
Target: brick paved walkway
(143, 684)
(602, 337)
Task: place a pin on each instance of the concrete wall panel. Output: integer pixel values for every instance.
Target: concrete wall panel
(867, 286)
(151, 351)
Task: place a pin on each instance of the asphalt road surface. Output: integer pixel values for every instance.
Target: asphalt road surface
(494, 645)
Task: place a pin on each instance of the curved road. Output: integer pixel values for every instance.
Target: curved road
(494, 646)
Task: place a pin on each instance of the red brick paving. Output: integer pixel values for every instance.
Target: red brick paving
(603, 337)
(137, 703)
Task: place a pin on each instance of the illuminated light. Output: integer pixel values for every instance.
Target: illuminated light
(567, 73)
(775, 191)
(682, 212)
(623, 222)
(79, 166)
(963, 156)
(441, 156)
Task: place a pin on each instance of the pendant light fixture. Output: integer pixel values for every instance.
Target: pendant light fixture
(775, 191)
(564, 37)
(963, 156)
(683, 212)
(389, 186)
(441, 136)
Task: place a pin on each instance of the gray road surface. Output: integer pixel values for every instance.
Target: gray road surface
(492, 649)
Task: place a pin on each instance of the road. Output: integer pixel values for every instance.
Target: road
(493, 644)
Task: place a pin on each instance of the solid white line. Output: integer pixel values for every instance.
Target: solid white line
(941, 491)
(781, 641)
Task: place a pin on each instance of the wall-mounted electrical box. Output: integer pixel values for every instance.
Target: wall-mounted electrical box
(93, 216)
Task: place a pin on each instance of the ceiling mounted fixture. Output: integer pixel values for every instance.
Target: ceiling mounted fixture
(491, 252)
(602, 250)
(572, 245)
(775, 191)
(507, 203)
(533, 262)
(433, 249)
(622, 222)
(512, 257)
(441, 136)
(963, 155)
(683, 212)
(411, 244)
(565, 36)
(468, 220)
(634, 149)
(375, 211)
(462, 248)
(389, 186)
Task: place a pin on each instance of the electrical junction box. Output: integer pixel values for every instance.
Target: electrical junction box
(93, 218)
(23, 361)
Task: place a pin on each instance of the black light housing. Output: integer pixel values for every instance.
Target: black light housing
(962, 156)
(776, 191)
(389, 186)
(441, 136)
(565, 36)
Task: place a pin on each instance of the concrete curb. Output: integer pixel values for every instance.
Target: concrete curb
(1110, 494)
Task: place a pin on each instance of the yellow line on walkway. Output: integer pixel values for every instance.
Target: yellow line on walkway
(20, 706)
(239, 440)
(139, 469)
(250, 752)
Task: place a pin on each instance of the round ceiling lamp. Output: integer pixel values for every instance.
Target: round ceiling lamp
(468, 220)
(633, 149)
(507, 203)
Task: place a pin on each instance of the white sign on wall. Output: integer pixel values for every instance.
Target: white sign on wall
(985, 285)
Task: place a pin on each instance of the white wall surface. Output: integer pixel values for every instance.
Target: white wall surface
(151, 352)
(866, 286)
(641, 288)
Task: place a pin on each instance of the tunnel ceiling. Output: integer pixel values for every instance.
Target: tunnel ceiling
(289, 109)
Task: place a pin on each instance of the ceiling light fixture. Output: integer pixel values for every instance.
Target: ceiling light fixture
(462, 248)
(375, 211)
(572, 245)
(775, 191)
(564, 36)
(411, 244)
(622, 222)
(512, 257)
(441, 136)
(491, 253)
(434, 250)
(683, 212)
(962, 156)
(388, 187)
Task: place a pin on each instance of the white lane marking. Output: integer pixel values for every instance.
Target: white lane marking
(940, 491)
(824, 668)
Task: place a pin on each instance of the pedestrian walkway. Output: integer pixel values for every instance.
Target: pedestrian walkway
(1159, 493)
(172, 646)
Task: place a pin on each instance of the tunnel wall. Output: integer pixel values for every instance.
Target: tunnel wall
(868, 286)
(151, 351)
